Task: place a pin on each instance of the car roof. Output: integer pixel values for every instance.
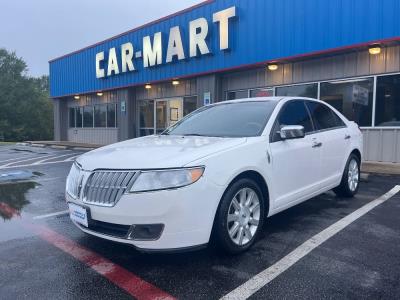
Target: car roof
(258, 99)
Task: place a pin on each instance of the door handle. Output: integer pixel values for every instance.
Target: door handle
(347, 137)
(316, 144)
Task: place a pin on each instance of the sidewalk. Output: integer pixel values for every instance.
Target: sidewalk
(380, 167)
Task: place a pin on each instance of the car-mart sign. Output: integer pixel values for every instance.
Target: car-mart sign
(152, 46)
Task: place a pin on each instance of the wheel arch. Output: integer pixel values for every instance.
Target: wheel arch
(357, 153)
(260, 180)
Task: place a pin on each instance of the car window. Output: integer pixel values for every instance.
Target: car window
(240, 119)
(323, 116)
(293, 113)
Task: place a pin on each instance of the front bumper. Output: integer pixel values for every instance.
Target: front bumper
(187, 215)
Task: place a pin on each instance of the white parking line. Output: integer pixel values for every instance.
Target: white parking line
(72, 158)
(30, 165)
(46, 159)
(24, 160)
(15, 158)
(254, 284)
(55, 214)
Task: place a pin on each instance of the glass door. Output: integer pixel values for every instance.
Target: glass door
(167, 113)
(157, 115)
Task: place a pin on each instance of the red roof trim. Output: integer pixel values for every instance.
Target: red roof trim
(137, 28)
(247, 66)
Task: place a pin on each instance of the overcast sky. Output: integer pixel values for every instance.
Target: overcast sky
(39, 30)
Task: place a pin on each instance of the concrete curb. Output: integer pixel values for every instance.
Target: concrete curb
(60, 146)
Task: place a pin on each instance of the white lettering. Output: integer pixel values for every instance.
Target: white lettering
(112, 62)
(152, 55)
(175, 47)
(198, 30)
(126, 57)
(99, 70)
(223, 17)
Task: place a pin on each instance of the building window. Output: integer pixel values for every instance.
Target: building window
(88, 116)
(100, 112)
(189, 105)
(387, 111)
(79, 117)
(146, 117)
(261, 93)
(111, 115)
(72, 117)
(232, 95)
(353, 98)
(303, 90)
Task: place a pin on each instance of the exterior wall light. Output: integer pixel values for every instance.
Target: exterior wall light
(175, 82)
(147, 86)
(99, 94)
(375, 49)
(273, 67)
(77, 97)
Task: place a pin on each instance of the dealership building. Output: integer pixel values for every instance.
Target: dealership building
(344, 52)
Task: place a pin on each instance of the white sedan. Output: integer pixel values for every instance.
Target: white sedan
(216, 175)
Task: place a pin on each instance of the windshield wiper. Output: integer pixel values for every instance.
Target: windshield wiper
(193, 134)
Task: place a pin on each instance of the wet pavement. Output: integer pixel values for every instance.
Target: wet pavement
(51, 258)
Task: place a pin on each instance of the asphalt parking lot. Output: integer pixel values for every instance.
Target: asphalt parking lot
(43, 255)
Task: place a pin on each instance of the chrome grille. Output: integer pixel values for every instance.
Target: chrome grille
(105, 188)
(73, 181)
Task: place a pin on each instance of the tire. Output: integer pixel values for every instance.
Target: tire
(351, 178)
(246, 218)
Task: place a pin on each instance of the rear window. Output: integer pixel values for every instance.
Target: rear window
(323, 117)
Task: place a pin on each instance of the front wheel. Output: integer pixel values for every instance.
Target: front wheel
(240, 216)
(351, 178)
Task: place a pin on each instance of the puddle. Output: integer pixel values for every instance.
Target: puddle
(17, 175)
(13, 198)
(36, 173)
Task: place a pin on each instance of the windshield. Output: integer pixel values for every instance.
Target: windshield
(241, 119)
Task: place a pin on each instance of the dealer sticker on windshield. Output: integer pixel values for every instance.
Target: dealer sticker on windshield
(78, 214)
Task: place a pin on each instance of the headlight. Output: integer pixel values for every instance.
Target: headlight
(166, 179)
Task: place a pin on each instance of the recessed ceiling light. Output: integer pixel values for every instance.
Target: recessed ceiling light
(375, 49)
(273, 67)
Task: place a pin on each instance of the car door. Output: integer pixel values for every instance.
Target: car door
(295, 163)
(333, 135)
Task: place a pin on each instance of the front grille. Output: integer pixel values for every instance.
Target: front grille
(73, 181)
(105, 188)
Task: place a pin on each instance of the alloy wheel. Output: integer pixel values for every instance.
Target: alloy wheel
(243, 216)
(353, 175)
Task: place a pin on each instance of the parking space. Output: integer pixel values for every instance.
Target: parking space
(43, 254)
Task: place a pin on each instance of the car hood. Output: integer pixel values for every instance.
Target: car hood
(155, 152)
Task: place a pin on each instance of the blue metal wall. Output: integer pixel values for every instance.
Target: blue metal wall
(263, 30)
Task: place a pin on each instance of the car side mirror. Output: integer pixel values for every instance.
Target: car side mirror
(292, 132)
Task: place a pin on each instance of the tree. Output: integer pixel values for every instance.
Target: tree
(26, 112)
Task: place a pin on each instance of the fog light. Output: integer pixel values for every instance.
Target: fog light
(147, 232)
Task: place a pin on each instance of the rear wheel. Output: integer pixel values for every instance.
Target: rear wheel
(239, 217)
(351, 178)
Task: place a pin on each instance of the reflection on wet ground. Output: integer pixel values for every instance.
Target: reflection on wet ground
(13, 189)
